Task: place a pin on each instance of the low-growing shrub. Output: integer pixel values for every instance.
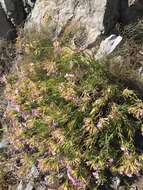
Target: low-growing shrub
(72, 118)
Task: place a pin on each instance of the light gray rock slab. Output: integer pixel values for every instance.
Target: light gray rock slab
(92, 17)
(108, 45)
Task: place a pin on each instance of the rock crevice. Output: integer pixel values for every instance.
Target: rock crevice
(13, 13)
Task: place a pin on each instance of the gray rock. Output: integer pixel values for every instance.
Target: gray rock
(3, 144)
(131, 10)
(28, 182)
(15, 11)
(40, 187)
(7, 30)
(137, 3)
(12, 14)
(28, 5)
(87, 20)
(20, 186)
(108, 45)
(131, 2)
(134, 187)
(115, 183)
(29, 186)
(34, 173)
(89, 17)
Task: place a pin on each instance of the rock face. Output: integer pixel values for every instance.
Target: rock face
(12, 14)
(90, 18)
(7, 30)
(131, 10)
(15, 11)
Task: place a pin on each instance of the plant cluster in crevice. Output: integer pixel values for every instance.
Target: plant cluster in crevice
(72, 117)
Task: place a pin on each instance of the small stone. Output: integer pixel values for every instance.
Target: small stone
(20, 186)
(115, 182)
(108, 46)
(122, 188)
(133, 187)
(55, 125)
(3, 144)
(34, 172)
(29, 186)
(41, 187)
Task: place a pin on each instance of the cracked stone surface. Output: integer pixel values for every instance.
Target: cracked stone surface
(92, 17)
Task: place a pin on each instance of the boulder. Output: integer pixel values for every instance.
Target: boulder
(88, 19)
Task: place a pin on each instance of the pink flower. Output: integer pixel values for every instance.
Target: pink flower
(35, 113)
(72, 179)
(96, 174)
(17, 91)
(25, 115)
(99, 125)
(17, 107)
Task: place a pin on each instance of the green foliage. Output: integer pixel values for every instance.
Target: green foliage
(70, 107)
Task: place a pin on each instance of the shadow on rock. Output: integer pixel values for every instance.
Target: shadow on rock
(124, 13)
(130, 11)
(7, 31)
